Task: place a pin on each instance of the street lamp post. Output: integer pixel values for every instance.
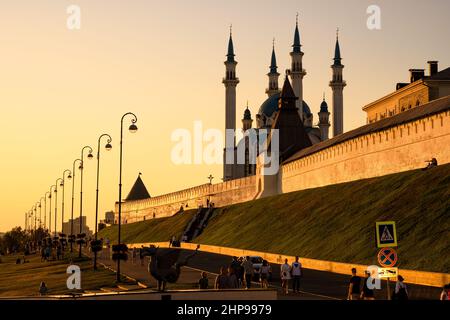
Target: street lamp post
(35, 220)
(108, 147)
(40, 212)
(50, 212)
(26, 221)
(56, 206)
(90, 156)
(63, 184)
(72, 239)
(133, 128)
(34, 210)
(45, 208)
(30, 221)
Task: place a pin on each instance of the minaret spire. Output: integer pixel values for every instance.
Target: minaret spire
(230, 82)
(296, 46)
(297, 72)
(230, 53)
(324, 120)
(337, 50)
(273, 74)
(337, 84)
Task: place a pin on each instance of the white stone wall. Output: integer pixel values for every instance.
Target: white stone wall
(221, 194)
(401, 148)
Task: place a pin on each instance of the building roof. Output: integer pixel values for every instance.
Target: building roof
(441, 75)
(271, 105)
(292, 134)
(433, 107)
(138, 191)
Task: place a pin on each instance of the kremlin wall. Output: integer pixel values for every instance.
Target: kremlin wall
(395, 144)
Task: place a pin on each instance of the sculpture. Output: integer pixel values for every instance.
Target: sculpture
(165, 265)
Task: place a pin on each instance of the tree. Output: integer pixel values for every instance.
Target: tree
(14, 240)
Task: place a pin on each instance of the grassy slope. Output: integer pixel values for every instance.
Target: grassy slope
(338, 222)
(151, 230)
(332, 223)
(24, 279)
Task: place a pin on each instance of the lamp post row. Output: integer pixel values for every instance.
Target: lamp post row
(71, 175)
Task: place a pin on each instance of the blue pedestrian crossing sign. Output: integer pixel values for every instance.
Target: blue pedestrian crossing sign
(386, 234)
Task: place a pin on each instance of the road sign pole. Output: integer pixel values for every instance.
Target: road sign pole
(388, 290)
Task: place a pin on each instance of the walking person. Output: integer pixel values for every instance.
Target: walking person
(233, 282)
(367, 293)
(221, 280)
(141, 256)
(444, 293)
(265, 272)
(203, 282)
(58, 252)
(401, 292)
(285, 275)
(248, 271)
(296, 270)
(43, 289)
(354, 288)
(43, 254)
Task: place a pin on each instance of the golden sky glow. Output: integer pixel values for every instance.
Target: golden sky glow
(163, 60)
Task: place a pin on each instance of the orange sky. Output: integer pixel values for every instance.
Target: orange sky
(163, 60)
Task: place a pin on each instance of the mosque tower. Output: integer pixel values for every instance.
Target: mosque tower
(230, 82)
(337, 84)
(297, 72)
(273, 75)
(324, 120)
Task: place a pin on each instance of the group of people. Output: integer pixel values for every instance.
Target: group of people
(356, 291)
(292, 272)
(242, 272)
(48, 251)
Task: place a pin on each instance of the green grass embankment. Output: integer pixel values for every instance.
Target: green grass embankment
(155, 230)
(334, 223)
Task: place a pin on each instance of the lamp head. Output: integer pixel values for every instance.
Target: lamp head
(90, 156)
(108, 147)
(69, 176)
(133, 128)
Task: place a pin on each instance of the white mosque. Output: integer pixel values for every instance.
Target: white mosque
(270, 107)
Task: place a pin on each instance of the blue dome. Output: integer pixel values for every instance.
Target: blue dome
(271, 105)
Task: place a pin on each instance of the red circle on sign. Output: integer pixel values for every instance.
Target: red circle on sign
(387, 257)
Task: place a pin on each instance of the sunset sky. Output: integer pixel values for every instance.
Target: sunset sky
(163, 60)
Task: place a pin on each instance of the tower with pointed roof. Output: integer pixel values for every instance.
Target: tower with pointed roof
(324, 120)
(230, 82)
(292, 134)
(337, 84)
(138, 191)
(297, 72)
(247, 120)
(273, 75)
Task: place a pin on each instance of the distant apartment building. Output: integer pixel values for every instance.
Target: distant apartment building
(67, 226)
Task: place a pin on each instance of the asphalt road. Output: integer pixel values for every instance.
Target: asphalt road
(314, 284)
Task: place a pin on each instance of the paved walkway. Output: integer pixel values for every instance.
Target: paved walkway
(189, 276)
